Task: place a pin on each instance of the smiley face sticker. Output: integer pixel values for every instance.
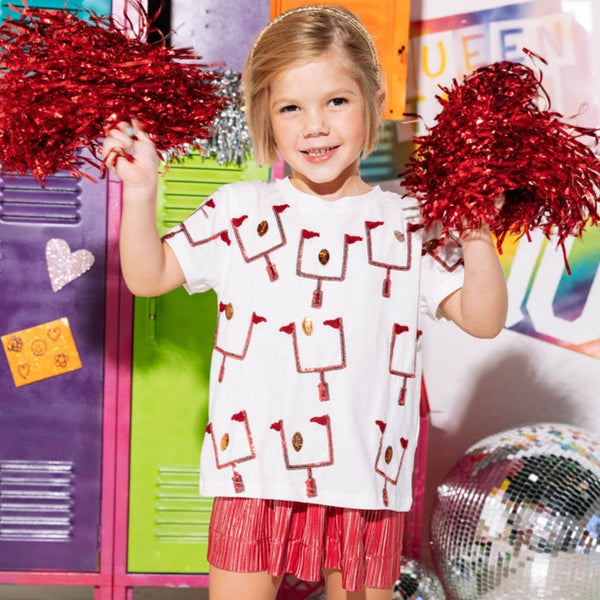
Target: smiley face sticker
(41, 352)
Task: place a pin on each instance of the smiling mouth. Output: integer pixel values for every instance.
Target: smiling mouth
(316, 152)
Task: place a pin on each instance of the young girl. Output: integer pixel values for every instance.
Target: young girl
(321, 280)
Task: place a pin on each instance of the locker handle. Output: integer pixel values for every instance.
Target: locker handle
(151, 321)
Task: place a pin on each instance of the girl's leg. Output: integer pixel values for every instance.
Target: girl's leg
(227, 585)
(334, 590)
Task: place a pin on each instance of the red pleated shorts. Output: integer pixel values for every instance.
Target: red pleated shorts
(248, 535)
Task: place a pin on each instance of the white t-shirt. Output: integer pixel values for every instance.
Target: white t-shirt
(315, 375)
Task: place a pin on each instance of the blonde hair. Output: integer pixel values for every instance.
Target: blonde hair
(297, 36)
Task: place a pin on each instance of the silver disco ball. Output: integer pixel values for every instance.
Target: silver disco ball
(518, 517)
(417, 582)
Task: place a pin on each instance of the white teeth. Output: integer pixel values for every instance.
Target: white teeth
(318, 152)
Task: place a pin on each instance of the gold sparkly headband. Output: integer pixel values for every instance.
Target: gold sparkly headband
(357, 25)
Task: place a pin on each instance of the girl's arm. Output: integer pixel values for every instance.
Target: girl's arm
(480, 306)
(149, 266)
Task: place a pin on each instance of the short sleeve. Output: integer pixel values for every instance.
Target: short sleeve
(202, 242)
(442, 273)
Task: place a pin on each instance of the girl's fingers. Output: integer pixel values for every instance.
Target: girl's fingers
(116, 145)
(111, 156)
(117, 140)
(130, 143)
(127, 133)
(138, 132)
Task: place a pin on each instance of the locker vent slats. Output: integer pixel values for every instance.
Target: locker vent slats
(24, 200)
(36, 501)
(181, 514)
(188, 183)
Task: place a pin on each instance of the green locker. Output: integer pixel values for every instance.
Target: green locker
(172, 344)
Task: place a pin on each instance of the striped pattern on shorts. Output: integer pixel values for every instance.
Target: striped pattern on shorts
(250, 535)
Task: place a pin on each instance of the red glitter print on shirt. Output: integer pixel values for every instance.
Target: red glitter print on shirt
(379, 236)
(336, 324)
(403, 356)
(227, 311)
(298, 445)
(447, 253)
(191, 239)
(389, 460)
(234, 446)
(323, 256)
(243, 229)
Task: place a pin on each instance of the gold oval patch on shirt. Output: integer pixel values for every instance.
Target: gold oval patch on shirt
(224, 441)
(307, 326)
(297, 441)
(229, 312)
(389, 453)
(262, 228)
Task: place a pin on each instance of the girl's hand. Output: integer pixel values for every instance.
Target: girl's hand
(130, 153)
(484, 229)
(481, 305)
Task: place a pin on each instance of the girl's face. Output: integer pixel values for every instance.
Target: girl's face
(317, 114)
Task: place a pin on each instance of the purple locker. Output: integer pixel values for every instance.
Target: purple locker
(51, 430)
(220, 31)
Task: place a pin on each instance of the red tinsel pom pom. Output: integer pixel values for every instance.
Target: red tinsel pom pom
(491, 138)
(64, 80)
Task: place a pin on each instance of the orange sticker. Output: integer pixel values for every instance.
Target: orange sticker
(41, 352)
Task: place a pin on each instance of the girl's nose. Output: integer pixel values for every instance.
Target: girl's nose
(315, 124)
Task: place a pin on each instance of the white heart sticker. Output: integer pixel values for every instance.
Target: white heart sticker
(65, 266)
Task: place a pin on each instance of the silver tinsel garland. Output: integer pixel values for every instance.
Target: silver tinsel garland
(230, 142)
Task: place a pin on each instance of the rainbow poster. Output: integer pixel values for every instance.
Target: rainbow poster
(544, 300)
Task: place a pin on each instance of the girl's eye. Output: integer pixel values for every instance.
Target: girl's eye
(338, 101)
(289, 108)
